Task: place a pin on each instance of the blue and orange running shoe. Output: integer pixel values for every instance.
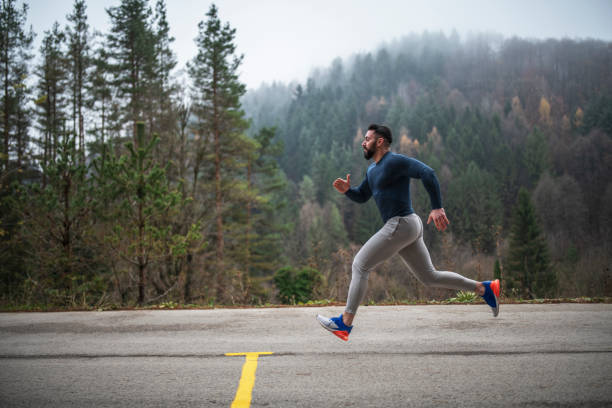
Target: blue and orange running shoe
(491, 295)
(336, 326)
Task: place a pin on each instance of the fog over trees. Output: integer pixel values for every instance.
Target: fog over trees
(121, 184)
(490, 115)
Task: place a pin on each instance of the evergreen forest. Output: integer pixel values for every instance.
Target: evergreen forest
(124, 184)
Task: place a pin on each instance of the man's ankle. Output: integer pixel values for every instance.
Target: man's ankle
(347, 319)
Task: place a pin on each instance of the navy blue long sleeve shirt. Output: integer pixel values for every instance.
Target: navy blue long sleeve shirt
(389, 182)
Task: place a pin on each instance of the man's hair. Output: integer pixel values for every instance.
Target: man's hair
(382, 131)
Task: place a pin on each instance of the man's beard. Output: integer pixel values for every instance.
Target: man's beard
(367, 153)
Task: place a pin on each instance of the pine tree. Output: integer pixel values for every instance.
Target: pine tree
(476, 208)
(162, 114)
(536, 157)
(497, 273)
(144, 199)
(99, 87)
(216, 104)
(50, 98)
(267, 190)
(58, 220)
(131, 46)
(528, 268)
(15, 44)
(79, 62)
(22, 119)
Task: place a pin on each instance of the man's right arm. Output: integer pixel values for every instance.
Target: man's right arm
(360, 194)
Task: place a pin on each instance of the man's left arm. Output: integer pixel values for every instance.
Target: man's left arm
(430, 182)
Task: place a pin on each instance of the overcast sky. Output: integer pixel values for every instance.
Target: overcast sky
(282, 40)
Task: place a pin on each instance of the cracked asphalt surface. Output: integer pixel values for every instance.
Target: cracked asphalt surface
(553, 355)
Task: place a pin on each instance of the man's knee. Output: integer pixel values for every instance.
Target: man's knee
(359, 270)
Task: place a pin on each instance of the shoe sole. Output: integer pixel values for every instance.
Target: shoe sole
(496, 308)
(496, 288)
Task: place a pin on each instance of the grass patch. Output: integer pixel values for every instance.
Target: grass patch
(460, 298)
(463, 297)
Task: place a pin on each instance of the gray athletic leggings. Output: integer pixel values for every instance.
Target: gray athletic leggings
(403, 235)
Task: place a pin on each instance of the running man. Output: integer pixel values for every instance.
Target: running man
(388, 180)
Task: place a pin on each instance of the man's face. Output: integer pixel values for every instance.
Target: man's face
(369, 144)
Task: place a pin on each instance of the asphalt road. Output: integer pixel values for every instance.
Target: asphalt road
(556, 355)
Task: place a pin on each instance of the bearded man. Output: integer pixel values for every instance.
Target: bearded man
(388, 180)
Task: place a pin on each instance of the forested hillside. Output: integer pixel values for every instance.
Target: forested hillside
(120, 184)
(491, 116)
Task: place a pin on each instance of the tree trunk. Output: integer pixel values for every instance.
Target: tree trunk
(141, 260)
(188, 278)
(54, 124)
(219, 272)
(6, 107)
(80, 104)
(67, 229)
(47, 142)
(81, 140)
(219, 217)
(244, 278)
(247, 244)
(19, 136)
(74, 108)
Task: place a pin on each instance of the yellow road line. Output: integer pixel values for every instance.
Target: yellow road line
(247, 379)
